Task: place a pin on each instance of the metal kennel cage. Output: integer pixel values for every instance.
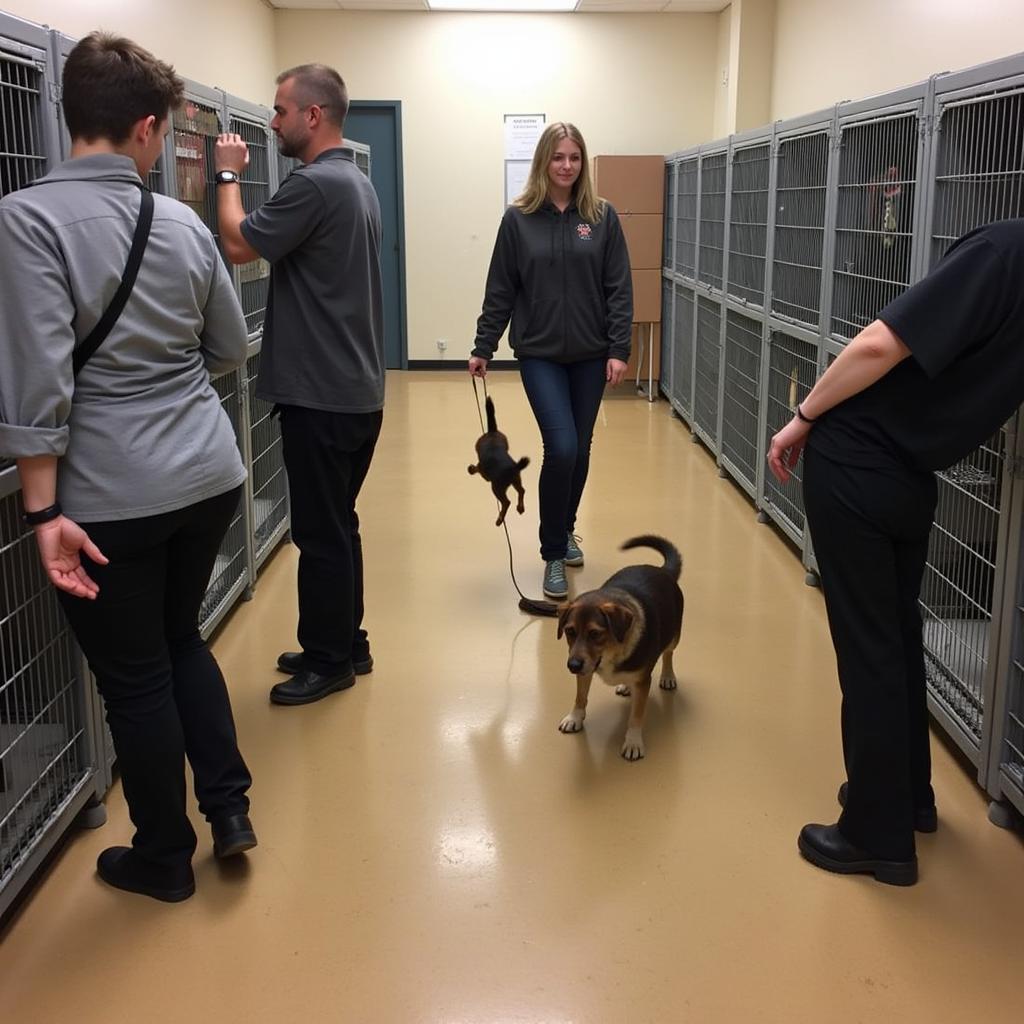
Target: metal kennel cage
(800, 200)
(741, 399)
(748, 220)
(685, 234)
(711, 226)
(683, 349)
(707, 371)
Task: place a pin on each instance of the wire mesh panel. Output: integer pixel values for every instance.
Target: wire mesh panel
(667, 313)
(874, 219)
(799, 239)
(667, 252)
(979, 166)
(285, 166)
(957, 589)
(45, 750)
(196, 127)
(707, 370)
(741, 396)
(1011, 752)
(230, 572)
(682, 351)
(269, 483)
(713, 169)
(792, 370)
(254, 277)
(362, 159)
(22, 140)
(748, 223)
(686, 219)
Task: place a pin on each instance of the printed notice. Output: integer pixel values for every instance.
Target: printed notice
(521, 134)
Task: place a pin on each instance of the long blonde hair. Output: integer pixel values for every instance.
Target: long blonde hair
(590, 206)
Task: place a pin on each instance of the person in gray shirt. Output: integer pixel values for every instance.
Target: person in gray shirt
(130, 472)
(323, 360)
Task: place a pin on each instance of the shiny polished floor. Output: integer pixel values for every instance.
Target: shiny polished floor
(433, 850)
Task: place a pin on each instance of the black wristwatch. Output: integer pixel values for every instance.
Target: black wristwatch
(225, 177)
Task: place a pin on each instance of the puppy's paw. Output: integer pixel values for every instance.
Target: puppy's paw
(573, 722)
(622, 690)
(633, 745)
(668, 683)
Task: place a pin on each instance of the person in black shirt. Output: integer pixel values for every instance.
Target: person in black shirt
(939, 371)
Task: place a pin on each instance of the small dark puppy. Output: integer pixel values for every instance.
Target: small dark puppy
(496, 466)
(620, 631)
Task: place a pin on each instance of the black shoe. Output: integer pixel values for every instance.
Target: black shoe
(122, 868)
(826, 847)
(232, 834)
(291, 662)
(306, 687)
(926, 819)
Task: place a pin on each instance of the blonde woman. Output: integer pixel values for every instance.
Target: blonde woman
(560, 273)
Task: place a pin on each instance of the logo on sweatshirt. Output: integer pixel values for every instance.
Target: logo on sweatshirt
(584, 231)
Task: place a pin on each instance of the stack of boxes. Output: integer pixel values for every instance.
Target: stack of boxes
(635, 186)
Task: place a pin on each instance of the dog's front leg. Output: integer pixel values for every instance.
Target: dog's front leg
(668, 675)
(633, 744)
(573, 722)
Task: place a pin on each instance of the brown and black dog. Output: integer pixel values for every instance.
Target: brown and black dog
(496, 466)
(620, 631)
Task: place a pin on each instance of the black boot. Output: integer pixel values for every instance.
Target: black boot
(122, 868)
(232, 834)
(826, 847)
(305, 687)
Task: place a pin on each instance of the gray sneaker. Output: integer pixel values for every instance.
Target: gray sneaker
(573, 551)
(555, 585)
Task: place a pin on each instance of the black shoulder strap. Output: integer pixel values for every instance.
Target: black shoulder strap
(97, 335)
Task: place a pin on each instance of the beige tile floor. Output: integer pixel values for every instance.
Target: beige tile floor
(433, 850)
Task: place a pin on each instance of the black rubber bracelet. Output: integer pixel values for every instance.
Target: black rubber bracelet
(43, 515)
(804, 419)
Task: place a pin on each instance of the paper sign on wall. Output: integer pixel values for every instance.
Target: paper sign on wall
(521, 134)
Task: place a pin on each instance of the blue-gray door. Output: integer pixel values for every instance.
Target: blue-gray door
(378, 124)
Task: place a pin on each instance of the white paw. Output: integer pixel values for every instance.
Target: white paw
(633, 745)
(623, 690)
(573, 722)
(668, 683)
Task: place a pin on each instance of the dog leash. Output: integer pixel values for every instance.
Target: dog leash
(526, 604)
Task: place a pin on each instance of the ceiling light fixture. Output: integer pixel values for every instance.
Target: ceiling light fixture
(515, 6)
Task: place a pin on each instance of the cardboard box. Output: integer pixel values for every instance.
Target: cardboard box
(647, 296)
(644, 238)
(632, 184)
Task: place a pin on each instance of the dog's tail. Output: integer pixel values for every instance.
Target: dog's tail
(492, 420)
(667, 550)
(523, 463)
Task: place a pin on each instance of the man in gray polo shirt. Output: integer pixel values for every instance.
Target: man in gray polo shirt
(322, 362)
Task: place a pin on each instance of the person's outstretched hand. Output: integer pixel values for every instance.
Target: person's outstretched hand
(61, 542)
(787, 444)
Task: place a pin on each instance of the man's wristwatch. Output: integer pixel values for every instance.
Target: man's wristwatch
(225, 177)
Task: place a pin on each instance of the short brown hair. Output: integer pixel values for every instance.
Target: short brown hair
(110, 83)
(321, 85)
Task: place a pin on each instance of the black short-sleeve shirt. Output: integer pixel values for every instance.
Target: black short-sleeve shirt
(323, 337)
(964, 326)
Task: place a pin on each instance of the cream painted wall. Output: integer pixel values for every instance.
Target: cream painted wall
(223, 43)
(830, 50)
(724, 68)
(633, 84)
(753, 60)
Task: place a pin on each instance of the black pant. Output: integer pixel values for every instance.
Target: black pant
(327, 456)
(164, 693)
(870, 531)
(565, 398)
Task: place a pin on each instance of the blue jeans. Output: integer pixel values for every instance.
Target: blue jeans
(565, 398)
